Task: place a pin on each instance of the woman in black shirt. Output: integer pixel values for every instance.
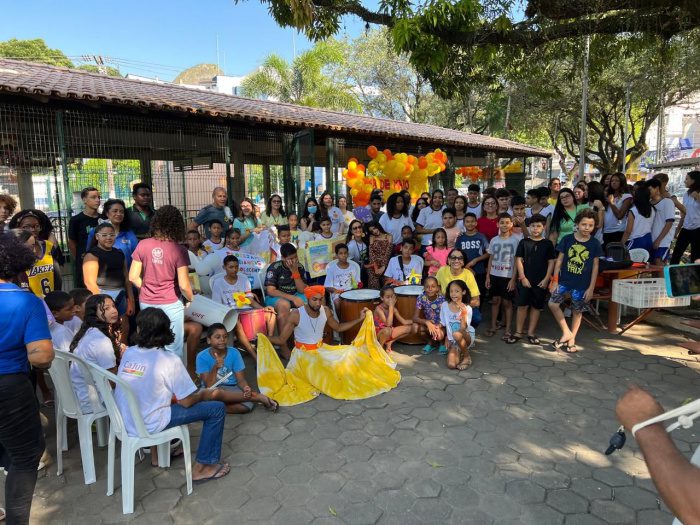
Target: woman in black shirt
(105, 272)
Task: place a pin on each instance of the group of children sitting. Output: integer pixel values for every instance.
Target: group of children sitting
(88, 326)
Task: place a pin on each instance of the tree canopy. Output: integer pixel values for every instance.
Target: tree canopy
(34, 51)
(457, 37)
(37, 51)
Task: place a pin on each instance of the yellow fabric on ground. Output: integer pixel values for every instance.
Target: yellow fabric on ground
(357, 371)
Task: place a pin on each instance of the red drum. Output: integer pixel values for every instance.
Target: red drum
(254, 322)
(406, 305)
(351, 304)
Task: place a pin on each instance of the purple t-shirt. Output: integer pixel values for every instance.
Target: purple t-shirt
(160, 260)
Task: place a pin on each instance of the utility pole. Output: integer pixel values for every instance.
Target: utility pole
(584, 112)
(625, 136)
(660, 131)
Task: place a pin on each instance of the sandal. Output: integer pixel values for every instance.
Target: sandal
(557, 344)
(533, 340)
(569, 349)
(465, 362)
(428, 349)
(507, 336)
(442, 350)
(512, 338)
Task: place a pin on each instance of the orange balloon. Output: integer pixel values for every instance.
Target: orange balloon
(411, 159)
(388, 154)
(353, 159)
(422, 163)
(361, 167)
(372, 151)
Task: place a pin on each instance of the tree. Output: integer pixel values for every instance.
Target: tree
(388, 86)
(547, 93)
(35, 51)
(449, 37)
(307, 81)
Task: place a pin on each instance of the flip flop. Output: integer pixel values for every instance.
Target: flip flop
(427, 349)
(222, 466)
(533, 340)
(274, 405)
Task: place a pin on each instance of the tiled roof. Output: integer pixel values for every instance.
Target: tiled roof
(63, 83)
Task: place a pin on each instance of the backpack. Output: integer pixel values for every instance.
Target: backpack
(617, 252)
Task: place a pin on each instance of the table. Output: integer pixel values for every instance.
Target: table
(630, 273)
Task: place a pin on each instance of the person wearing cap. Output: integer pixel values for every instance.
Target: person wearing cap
(356, 371)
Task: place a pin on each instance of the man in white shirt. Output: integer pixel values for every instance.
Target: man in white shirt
(430, 218)
(402, 267)
(662, 227)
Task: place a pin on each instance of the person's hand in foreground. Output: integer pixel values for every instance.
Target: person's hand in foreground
(677, 480)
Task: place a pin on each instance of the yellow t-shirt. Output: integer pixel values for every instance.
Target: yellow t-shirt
(41, 275)
(270, 220)
(445, 277)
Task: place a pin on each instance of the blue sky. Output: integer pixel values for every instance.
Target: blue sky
(165, 37)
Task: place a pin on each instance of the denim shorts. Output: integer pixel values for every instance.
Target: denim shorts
(272, 301)
(577, 302)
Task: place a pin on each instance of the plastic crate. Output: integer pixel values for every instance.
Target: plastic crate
(645, 293)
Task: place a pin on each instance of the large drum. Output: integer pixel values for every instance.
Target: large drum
(351, 304)
(406, 305)
(254, 322)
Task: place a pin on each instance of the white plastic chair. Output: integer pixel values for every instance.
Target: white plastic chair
(131, 444)
(213, 279)
(639, 255)
(68, 406)
(261, 281)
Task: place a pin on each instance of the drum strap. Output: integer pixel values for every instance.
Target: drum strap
(403, 272)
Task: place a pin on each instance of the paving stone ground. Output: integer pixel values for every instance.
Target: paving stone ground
(517, 438)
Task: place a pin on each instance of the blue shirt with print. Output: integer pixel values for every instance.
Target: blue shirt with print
(577, 266)
(474, 246)
(233, 362)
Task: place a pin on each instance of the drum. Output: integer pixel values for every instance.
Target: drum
(406, 305)
(351, 304)
(254, 322)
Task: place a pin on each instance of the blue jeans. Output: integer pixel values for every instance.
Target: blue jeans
(212, 415)
(176, 313)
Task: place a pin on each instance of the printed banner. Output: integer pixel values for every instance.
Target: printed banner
(318, 254)
(248, 264)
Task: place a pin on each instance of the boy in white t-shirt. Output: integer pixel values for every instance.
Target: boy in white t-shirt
(231, 287)
(662, 227)
(215, 240)
(403, 266)
(342, 274)
(61, 306)
(500, 275)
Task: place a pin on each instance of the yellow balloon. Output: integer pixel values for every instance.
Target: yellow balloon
(354, 192)
(380, 158)
(352, 165)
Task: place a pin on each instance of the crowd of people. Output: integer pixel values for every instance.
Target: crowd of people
(515, 253)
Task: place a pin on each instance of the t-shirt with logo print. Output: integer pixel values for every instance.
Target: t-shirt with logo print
(160, 260)
(474, 246)
(279, 276)
(502, 252)
(577, 266)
